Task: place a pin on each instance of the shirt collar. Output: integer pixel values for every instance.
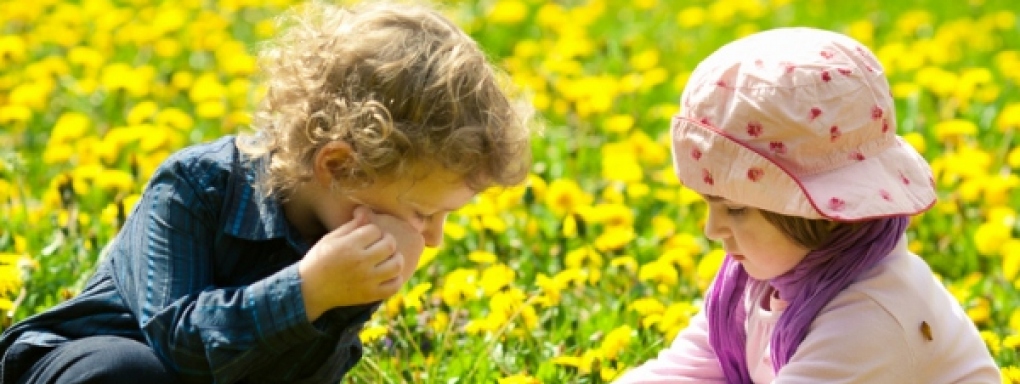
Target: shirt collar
(251, 214)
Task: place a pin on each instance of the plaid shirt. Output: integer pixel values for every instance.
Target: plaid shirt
(204, 271)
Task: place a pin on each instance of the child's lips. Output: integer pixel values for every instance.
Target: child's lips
(737, 257)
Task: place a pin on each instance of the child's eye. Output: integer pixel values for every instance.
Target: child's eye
(736, 211)
(423, 217)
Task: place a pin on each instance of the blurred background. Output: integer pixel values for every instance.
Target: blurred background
(585, 270)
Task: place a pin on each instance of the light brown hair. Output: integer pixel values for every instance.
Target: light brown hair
(811, 233)
(400, 84)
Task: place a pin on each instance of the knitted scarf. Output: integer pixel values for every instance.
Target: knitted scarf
(808, 287)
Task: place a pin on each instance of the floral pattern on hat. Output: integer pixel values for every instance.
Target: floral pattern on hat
(801, 122)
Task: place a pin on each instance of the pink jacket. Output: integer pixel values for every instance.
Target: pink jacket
(870, 333)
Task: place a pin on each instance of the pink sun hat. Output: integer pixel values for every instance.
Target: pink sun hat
(800, 122)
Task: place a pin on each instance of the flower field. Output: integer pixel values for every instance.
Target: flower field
(588, 268)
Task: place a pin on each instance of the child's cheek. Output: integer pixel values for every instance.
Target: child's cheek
(410, 264)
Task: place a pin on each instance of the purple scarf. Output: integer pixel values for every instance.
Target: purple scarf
(808, 287)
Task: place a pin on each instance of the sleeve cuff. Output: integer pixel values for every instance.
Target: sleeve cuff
(279, 310)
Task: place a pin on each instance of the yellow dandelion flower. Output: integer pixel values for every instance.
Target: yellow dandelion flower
(372, 333)
(182, 80)
(1010, 252)
(493, 223)
(691, 17)
(915, 140)
(1011, 341)
(616, 341)
(618, 123)
(658, 272)
(645, 60)
(618, 165)
(981, 312)
(454, 231)
(675, 318)
(33, 94)
(998, 189)
(583, 257)
(115, 180)
(508, 12)
(992, 340)
(1010, 375)
(565, 196)
(637, 191)
(459, 286)
(487, 324)
(496, 277)
(11, 265)
(571, 277)
(86, 57)
(627, 263)
(680, 257)
(645, 5)
(70, 127)
(57, 154)
(482, 257)
(439, 322)
(571, 361)
(989, 237)
(647, 306)
(1009, 117)
(518, 379)
(954, 130)
(612, 215)
(550, 287)
(12, 50)
(569, 227)
(168, 48)
(615, 238)
(211, 109)
(708, 266)
(142, 112)
(413, 297)
(14, 113)
(207, 87)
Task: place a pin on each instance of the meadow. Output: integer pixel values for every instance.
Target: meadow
(596, 261)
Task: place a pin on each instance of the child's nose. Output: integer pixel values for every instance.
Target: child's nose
(713, 228)
(433, 234)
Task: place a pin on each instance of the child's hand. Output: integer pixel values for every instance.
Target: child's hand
(357, 263)
(410, 243)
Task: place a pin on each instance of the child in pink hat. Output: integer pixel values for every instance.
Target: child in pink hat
(790, 135)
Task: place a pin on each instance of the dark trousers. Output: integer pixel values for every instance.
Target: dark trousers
(99, 359)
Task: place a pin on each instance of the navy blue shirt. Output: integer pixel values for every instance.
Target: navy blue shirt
(204, 271)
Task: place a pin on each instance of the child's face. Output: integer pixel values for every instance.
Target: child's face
(423, 202)
(763, 250)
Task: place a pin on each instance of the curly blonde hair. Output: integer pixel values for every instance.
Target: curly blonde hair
(400, 84)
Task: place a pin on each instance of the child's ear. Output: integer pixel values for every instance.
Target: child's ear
(331, 160)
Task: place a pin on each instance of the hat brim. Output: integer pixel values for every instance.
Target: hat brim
(893, 182)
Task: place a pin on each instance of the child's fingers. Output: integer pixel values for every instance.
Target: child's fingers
(382, 249)
(390, 267)
(360, 216)
(389, 287)
(365, 236)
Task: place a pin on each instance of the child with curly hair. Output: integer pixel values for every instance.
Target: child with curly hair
(258, 258)
(790, 135)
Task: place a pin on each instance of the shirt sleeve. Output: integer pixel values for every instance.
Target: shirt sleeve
(855, 340)
(690, 359)
(165, 271)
